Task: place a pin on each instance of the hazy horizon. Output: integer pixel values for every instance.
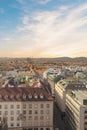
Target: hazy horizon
(43, 28)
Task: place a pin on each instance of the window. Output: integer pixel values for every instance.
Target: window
(41, 123)
(30, 111)
(47, 123)
(41, 105)
(36, 111)
(18, 118)
(6, 112)
(12, 112)
(18, 106)
(47, 117)
(41, 96)
(36, 105)
(35, 96)
(12, 124)
(86, 117)
(41, 129)
(18, 112)
(47, 105)
(48, 111)
(41, 112)
(12, 118)
(24, 106)
(18, 96)
(18, 124)
(30, 105)
(42, 117)
(11, 96)
(47, 128)
(0, 112)
(0, 106)
(0, 96)
(6, 96)
(24, 96)
(36, 118)
(12, 106)
(30, 117)
(24, 118)
(35, 128)
(30, 123)
(24, 112)
(30, 96)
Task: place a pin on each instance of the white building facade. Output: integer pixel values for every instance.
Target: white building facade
(60, 95)
(76, 111)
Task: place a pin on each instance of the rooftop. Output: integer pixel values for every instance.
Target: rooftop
(25, 94)
(55, 77)
(80, 96)
(71, 85)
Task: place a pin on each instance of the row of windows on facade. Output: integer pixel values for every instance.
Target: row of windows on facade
(25, 106)
(37, 129)
(29, 124)
(29, 118)
(41, 96)
(26, 112)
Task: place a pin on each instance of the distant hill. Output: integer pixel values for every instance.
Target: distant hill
(78, 59)
(72, 59)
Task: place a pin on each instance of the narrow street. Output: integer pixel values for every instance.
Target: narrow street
(58, 122)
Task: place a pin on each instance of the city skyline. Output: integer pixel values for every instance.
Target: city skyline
(43, 28)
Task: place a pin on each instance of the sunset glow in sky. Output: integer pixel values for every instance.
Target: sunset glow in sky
(43, 28)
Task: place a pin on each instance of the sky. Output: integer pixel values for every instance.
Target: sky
(43, 28)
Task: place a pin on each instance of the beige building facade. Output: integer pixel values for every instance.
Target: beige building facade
(26, 109)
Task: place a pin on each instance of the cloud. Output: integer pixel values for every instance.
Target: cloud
(7, 39)
(35, 1)
(61, 32)
(43, 1)
(52, 29)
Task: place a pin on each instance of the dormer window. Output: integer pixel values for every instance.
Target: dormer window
(17, 96)
(35, 96)
(12, 96)
(29, 96)
(0, 96)
(24, 96)
(6, 96)
(41, 96)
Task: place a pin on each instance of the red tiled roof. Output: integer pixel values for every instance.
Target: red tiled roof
(19, 93)
(40, 70)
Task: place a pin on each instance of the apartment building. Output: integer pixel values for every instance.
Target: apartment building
(61, 89)
(52, 80)
(26, 108)
(76, 110)
(60, 94)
